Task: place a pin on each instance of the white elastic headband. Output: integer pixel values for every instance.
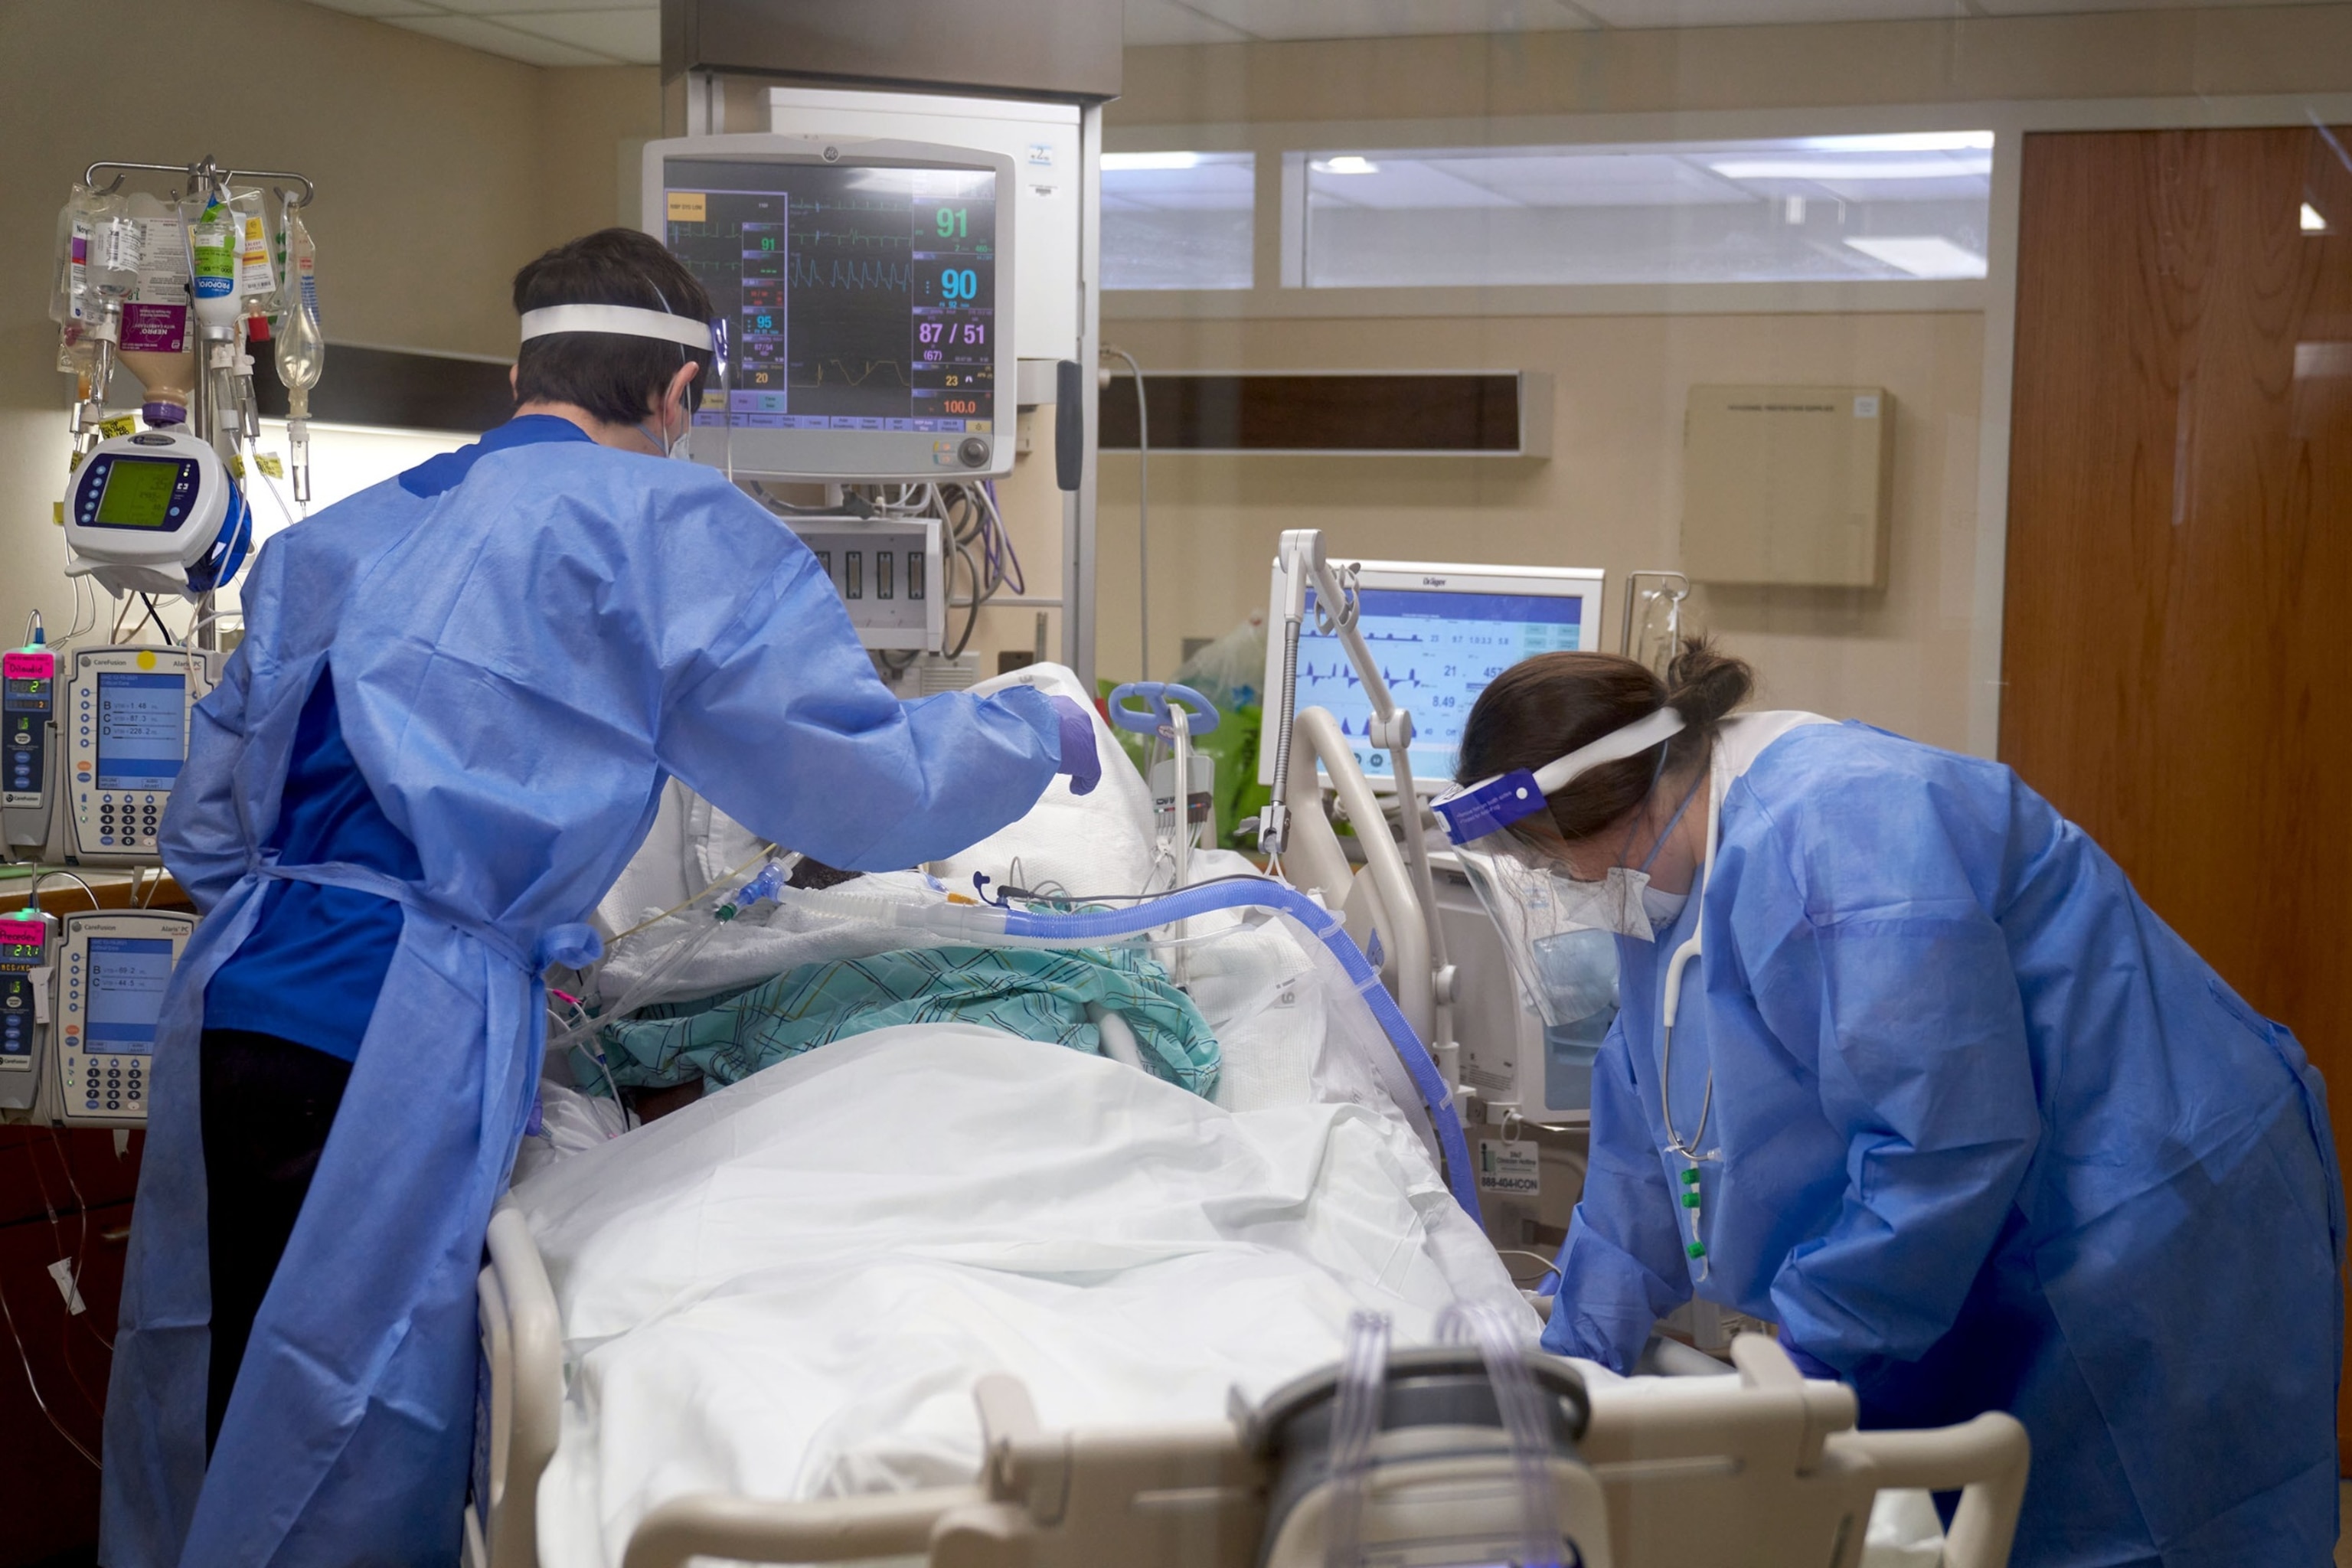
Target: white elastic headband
(628, 321)
(1634, 738)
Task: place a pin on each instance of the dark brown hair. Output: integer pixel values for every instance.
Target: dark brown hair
(618, 378)
(1545, 707)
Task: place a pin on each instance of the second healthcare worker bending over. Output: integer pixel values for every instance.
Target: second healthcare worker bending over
(445, 732)
(1905, 1066)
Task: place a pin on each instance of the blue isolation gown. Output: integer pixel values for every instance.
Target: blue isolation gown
(526, 639)
(1986, 1134)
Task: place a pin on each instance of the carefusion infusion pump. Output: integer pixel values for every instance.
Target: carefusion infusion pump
(28, 697)
(864, 288)
(122, 718)
(28, 940)
(110, 974)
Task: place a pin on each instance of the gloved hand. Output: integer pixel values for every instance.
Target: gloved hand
(1080, 758)
(1810, 1365)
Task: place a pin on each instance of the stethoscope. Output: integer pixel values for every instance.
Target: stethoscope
(1687, 1201)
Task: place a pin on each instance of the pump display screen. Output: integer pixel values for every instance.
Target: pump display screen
(142, 730)
(138, 493)
(127, 977)
(1437, 650)
(857, 298)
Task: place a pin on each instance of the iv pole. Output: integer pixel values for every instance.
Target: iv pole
(204, 176)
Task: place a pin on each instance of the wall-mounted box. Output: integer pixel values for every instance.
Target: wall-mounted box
(1788, 485)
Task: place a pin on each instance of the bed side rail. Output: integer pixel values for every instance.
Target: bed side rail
(1986, 1457)
(523, 1335)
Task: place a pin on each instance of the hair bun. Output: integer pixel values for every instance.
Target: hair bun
(1704, 683)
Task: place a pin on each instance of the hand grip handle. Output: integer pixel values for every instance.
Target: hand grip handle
(1069, 424)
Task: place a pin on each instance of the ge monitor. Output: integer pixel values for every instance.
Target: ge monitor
(866, 290)
(1441, 633)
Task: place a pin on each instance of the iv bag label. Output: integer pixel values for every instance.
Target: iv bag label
(120, 246)
(215, 254)
(62, 1272)
(254, 275)
(1509, 1170)
(155, 328)
(161, 258)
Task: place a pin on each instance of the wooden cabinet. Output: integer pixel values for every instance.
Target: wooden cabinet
(63, 1195)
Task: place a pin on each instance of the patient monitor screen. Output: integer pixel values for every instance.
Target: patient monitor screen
(858, 298)
(1437, 650)
(127, 976)
(142, 730)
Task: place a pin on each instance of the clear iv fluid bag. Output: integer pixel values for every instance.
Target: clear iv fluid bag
(301, 351)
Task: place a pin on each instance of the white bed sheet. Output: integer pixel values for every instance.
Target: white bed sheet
(788, 1289)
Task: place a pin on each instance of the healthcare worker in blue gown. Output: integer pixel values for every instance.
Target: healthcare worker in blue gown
(457, 699)
(1942, 1099)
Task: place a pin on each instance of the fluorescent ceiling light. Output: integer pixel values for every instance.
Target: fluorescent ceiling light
(1923, 255)
(1345, 163)
(2312, 222)
(1906, 141)
(1851, 169)
(1117, 160)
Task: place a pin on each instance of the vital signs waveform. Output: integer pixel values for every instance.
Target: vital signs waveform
(839, 272)
(842, 373)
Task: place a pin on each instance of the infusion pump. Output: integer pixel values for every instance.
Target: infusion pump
(119, 731)
(81, 1000)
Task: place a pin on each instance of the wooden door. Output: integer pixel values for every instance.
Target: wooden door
(2178, 640)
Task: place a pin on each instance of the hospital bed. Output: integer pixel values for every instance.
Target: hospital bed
(1761, 1468)
(620, 1339)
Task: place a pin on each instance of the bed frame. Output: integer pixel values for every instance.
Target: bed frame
(1763, 1473)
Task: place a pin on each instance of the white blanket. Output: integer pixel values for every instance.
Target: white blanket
(788, 1289)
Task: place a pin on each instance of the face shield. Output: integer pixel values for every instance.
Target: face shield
(1558, 929)
(634, 321)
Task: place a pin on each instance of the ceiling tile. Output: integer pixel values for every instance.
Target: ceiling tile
(631, 35)
(1167, 22)
(1296, 19)
(378, 7)
(1633, 14)
(492, 39)
(2055, 7)
(524, 8)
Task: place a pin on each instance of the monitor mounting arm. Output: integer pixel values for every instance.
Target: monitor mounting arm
(1302, 563)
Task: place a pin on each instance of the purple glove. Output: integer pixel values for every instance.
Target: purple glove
(1080, 758)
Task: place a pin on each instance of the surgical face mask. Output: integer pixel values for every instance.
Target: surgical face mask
(667, 446)
(1577, 973)
(1662, 908)
(1533, 902)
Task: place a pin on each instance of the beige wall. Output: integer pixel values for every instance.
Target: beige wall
(1608, 496)
(440, 170)
(2148, 54)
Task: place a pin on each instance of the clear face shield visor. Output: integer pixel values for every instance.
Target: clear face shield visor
(1558, 929)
